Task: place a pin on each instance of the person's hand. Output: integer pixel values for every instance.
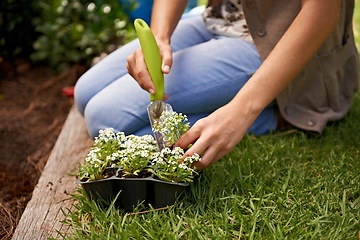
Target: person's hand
(216, 134)
(137, 68)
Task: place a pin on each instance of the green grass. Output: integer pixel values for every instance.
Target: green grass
(280, 186)
(288, 186)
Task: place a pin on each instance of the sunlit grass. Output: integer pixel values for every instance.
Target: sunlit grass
(286, 185)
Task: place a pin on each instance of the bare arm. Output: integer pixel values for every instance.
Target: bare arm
(307, 33)
(165, 16)
(223, 129)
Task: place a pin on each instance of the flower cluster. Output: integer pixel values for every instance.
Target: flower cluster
(168, 165)
(172, 126)
(133, 153)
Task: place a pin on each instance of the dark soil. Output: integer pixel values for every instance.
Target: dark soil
(32, 112)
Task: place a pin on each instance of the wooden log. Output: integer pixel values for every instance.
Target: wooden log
(42, 216)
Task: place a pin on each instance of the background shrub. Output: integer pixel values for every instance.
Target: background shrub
(17, 33)
(76, 31)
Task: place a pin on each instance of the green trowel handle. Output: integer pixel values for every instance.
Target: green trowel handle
(152, 57)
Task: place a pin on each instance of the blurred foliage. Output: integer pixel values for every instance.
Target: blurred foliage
(17, 33)
(75, 31)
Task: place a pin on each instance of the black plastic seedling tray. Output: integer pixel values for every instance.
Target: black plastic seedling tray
(133, 191)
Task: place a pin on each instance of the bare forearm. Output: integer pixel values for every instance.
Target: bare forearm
(304, 37)
(165, 16)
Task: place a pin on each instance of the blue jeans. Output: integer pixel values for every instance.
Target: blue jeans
(207, 72)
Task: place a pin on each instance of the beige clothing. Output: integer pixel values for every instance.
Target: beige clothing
(227, 18)
(324, 89)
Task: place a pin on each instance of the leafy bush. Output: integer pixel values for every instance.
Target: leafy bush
(17, 33)
(76, 31)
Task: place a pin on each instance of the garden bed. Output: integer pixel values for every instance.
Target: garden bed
(32, 110)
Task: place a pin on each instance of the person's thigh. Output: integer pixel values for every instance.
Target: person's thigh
(190, 32)
(207, 76)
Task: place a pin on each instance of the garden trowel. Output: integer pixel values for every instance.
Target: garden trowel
(153, 64)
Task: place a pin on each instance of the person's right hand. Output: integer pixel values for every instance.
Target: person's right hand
(137, 68)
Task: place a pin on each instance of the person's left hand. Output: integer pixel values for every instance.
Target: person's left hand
(216, 134)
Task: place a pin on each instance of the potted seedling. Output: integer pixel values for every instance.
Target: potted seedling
(133, 169)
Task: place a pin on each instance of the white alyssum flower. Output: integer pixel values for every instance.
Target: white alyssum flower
(172, 126)
(111, 149)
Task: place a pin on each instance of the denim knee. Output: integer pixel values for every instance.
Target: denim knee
(92, 115)
(81, 96)
(119, 115)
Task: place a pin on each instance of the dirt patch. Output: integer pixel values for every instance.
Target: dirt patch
(32, 112)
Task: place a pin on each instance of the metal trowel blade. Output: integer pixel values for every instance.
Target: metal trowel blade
(155, 109)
